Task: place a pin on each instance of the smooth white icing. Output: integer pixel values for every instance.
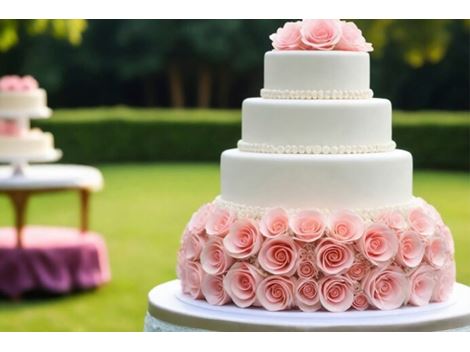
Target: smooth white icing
(319, 181)
(317, 122)
(24, 103)
(34, 143)
(316, 70)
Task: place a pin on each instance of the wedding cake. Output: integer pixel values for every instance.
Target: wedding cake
(316, 210)
(20, 100)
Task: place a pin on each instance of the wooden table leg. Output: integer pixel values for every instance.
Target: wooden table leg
(84, 209)
(20, 203)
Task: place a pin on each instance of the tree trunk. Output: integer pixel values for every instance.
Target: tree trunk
(176, 86)
(204, 91)
(224, 88)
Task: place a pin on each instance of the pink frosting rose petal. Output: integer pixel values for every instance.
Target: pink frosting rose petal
(320, 34)
(422, 284)
(219, 222)
(379, 244)
(214, 259)
(361, 302)
(276, 293)
(336, 293)
(437, 252)
(198, 221)
(352, 39)
(192, 279)
(307, 295)
(308, 225)
(278, 256)
(445, 280)
(287, 37)
(241, 282)
(333, 257)
(411, 249)
(358, 270)
(386, 288)
(213, 290)
(393, 219)
(421, 222)
(243, 240)
(345, 226)
(306, 269)
(192, 245)
(274, 223)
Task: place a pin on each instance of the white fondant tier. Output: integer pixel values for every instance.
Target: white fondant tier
(31, 103)
(334, 123)
(32, 144)
(317, 181)
(340, 73)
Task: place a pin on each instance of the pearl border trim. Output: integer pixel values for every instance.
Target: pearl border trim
(316, 94)
(315, 149)
(256, 212)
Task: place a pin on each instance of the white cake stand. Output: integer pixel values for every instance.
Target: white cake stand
(170, 310)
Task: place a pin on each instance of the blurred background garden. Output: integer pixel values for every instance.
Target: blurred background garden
(153, 103)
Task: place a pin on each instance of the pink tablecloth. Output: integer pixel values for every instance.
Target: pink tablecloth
(53, 260)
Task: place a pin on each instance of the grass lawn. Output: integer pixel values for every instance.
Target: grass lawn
(142, 212)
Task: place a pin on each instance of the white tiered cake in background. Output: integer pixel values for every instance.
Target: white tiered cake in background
(21, 100)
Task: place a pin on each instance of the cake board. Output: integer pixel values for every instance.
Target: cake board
(170, 310)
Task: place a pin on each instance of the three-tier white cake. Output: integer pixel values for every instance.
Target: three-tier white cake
(316, 208)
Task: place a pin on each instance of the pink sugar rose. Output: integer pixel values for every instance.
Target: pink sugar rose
(333, 257)
(320, 34)
(411, 249)
(198, 221)
(306, 269)
(307, 295)
(278, 256)
(345, 226)
(352, 39)
(360, 301)
(436, 252)
(219, 222)
(394, 219)
(192, 278)
(287, 37)
(212, 288)
(29, 83)
(445, 279)
(422, 284)
(379, 244)
(241, 282)
(358, 271)
(308, 225)
(9, 128)
(214, 260)
(192, 245)
(445, 233)
(336, 293)
(433, 213)
(386, 288)
(421, 222)
(10, 83)
(276, 293)
(274, 223)
(243, 239)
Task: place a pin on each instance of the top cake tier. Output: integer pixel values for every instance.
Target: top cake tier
(316, 75)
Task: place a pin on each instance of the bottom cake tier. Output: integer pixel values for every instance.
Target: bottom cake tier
(309, 260)
(33, 144)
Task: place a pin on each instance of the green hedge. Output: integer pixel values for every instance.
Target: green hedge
(437, 146)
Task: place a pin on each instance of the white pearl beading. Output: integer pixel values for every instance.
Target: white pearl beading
(254, 212)
(315, 149)
(316, 94)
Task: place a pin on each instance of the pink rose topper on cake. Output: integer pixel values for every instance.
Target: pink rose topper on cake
(15, 83)
(9, 128)
(320, 35)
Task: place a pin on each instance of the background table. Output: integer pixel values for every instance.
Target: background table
(170, 310)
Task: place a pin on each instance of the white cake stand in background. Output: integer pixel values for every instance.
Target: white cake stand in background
(170, 310)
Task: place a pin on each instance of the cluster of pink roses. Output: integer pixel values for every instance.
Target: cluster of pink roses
(17, 83)
(309, 260)
(9, 128)
(320, 35)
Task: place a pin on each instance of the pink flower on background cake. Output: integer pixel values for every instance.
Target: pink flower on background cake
(333, 257)
(214, 260)
(445, 233)
(386, 288)
(199, 219)
(192, 279)
(358, 271)
(307, 295)
(219, 221)
(345, 226)
(360, 302)
(243, 239)
(336, 293)
(17, 83)
(212, 288)
(436, 252)
(9, 128)
(308, 225)
(394, 219)
(320, 34)
(29, 83)
(241, 282)
(352, 39)
(287, 37)
(445, 279)
(306, 269)
(274, 223)
(411, 249)
(421, 222)
(276, 293)
(379, 244)
(278, 256)
(192, 245)
(422, 284)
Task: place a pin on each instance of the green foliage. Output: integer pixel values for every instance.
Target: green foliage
(436, 140)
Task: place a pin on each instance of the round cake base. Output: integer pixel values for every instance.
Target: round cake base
(53, 260)
(170, 310)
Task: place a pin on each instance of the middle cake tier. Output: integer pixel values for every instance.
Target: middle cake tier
(316, 126)
(358, 181)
